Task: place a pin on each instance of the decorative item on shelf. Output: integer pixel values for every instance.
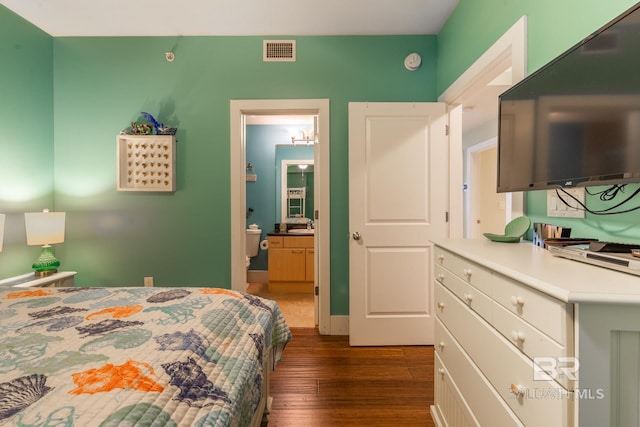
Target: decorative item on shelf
(161, 128)
(166, 131)
(2, 219)
(146, 162)
(513, 231)
(45, 228)
(141, 128)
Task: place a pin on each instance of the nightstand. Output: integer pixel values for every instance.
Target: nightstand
(62, 279)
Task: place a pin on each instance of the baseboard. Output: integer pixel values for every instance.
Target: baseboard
(257, 276)
(339, 325)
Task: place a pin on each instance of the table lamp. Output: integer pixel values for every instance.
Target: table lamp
(45, 228)
(2, 217)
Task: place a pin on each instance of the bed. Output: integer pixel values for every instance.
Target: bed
(136, 356)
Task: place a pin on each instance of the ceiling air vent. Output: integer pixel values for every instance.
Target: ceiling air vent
(279, 50)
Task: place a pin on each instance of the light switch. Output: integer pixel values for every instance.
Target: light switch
(557, 208)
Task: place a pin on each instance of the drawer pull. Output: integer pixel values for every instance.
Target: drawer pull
(517, 301)
(468, 298)
(441, 278)
(517, 336)
(517, 389)
(441, 371)
(440, 258)
(467, 273)
(440, 305)
(441, 345)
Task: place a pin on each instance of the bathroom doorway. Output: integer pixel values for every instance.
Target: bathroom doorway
(280, 156)
(242, 112)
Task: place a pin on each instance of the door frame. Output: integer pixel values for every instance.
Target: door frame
(511, 49)
(239, 109)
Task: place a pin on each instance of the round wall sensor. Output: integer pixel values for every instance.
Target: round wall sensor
(412, 61)
(170, 56)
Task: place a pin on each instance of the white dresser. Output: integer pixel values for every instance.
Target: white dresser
(501, 307)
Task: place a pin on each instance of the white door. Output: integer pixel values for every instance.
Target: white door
(487, 206)
(398, 201)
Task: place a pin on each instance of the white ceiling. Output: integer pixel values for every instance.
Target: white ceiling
(61, 18)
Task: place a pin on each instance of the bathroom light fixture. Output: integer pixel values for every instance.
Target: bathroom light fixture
(305, 140)
(2, 218)
(303, 137)
(45, 228)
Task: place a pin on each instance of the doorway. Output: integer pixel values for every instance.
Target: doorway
(280, 150)
(474, 98)
(240, 110)
(487, 211)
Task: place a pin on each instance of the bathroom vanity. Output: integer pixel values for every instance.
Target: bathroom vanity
(526, 338)
(291, 262)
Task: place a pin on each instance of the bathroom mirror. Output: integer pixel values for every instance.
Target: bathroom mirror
(296, 189)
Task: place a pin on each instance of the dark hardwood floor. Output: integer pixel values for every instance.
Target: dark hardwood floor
(322, 381)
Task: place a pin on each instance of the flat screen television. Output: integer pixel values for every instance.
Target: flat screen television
(576, 121)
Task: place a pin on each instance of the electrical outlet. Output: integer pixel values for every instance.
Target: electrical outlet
(148, 282)
(557, 208)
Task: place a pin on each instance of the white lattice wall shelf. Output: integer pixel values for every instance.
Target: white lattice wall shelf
(146, 163)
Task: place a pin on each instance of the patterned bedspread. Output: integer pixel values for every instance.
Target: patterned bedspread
(134, 356)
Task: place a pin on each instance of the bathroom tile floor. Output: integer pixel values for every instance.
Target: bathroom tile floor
(297, 309)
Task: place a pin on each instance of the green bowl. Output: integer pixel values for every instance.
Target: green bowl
(517, 227)
(513, 231)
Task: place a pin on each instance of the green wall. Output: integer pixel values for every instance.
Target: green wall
(26, 137)
(101, 84)
(552, 28)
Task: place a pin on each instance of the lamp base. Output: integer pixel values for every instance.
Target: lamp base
(45, 273)
(46, 263)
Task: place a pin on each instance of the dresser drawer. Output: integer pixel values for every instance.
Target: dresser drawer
(275, 241)
(488, 408)
(468, 271)
(511, 373)
(472, 297)
(549, 315)
(530, 340)
(298, 242)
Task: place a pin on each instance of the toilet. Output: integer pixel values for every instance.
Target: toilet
(253, 243)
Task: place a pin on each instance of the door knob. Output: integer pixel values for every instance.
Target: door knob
(356, 235)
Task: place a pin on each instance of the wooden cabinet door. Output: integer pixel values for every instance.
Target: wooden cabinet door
(287, 264)
(309, 267)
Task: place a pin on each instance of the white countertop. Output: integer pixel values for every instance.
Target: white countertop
(565, 279)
